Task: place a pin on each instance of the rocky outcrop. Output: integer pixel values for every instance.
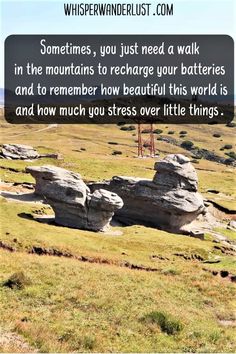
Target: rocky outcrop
(170, 201)
(232, 225)
(199, 153)
(73, 203)
(19, 152)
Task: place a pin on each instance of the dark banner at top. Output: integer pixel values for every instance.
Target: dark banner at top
(113, 78)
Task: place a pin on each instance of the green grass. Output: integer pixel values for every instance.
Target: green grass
(17, 281)
(230, 234)
(68, 305)
(96, 162)
(143, 243)
(97, 307)
(165, 321)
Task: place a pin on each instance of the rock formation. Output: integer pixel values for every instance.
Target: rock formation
(73, 203)
(170, 201)
(19, 151)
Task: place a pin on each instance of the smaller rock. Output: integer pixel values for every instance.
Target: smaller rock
(101, 208)
(231, 225)
(52, 156)
(19, 152)
(233, 278)
(197, 234)
(176, 171)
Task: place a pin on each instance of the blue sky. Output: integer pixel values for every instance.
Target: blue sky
(47, 17)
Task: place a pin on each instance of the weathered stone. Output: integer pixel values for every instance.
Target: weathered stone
(106, 203)
(232, 225)
(19, 151)
(71, 200)
(170, 201)
(176, 171)
(58, 183)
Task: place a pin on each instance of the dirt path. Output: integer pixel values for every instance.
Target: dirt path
(11, 342)
(50, 126)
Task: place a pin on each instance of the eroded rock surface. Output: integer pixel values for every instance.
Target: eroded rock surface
(170, 201)
(73, 203)
(19, 152)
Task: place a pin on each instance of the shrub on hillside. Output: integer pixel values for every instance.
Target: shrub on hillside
(147, 145)
(129, 128)
(112, 143)
(17, 281)
(166, 323)
(231, 154)
(187, 144)
(117, 152)
(146, 131)
(216, 135)
(227, 146)
(158, 131)
(89, 342)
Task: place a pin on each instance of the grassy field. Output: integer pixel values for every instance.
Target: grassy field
(71, 305)
(135, 289)
(86, 149)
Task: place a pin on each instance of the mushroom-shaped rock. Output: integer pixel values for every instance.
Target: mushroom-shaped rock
(101, 208)
(71, 200)
(58, 183)
(19, 151)
(169, 201)
(176, 171)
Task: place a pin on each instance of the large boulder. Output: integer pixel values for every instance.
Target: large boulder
(170, 201)
(175, 172)
(73, 203)
(19, 152)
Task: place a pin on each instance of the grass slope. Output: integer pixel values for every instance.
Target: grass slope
(70, 305)
(86, 149)
(75, 306)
